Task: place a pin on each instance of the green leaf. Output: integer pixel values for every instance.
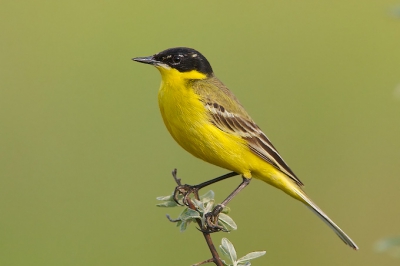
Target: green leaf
(251, 256)
(198, 204)
(209, 195)
(168, 201)
(390, 245)
(208, 206)
(189, 214)
(170, 197)
(228, 249)
(225, 253)
(183, 226)
(227, 222)
(167, 204)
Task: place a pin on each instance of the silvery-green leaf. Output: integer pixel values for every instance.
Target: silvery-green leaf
(169, 201)
(209, 206)
(247, 263)
(224, 252)
(227, 222)
(198, 204)
(170, 197)
(390, 245)
(206, 201)
(189, 214)
(387, 243)
(183, 226)
(178, 223)
(229, 249)
(252, 255)
(167, 204)
(209, 195)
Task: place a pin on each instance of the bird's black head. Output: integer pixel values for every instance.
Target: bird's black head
(180, 58)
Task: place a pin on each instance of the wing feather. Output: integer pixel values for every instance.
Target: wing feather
(229, 116)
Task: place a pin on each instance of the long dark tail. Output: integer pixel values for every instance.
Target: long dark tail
(346, 239)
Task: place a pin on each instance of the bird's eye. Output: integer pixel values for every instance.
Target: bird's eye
(176, 59)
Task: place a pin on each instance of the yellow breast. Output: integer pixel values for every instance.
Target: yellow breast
(188, 122)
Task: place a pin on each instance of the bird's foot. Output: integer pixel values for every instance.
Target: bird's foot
(211, 220)
(185, 191)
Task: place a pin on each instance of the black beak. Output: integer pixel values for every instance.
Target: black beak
(146, 60)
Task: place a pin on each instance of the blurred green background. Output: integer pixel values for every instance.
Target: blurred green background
(84, 153)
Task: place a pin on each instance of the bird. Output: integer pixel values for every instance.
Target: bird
(206, 119)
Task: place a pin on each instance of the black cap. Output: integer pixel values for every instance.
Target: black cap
(180, 58)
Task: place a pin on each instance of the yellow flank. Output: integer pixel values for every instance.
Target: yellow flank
(187, 120)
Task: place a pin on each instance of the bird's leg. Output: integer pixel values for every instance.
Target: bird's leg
(186, 190)
(211, 218)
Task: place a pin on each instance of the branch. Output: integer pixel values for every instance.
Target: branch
(197, 209)
(215, 256)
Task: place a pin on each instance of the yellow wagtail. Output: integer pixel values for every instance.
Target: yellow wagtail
(208, 121)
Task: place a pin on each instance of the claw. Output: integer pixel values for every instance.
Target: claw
(211, 220)
(184, 190)
(211, 230)
(176, 194)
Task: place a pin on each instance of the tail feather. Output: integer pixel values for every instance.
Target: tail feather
(345, 238)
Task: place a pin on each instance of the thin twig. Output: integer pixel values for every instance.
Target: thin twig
(175, 175)
(204, 262)
(215, 256)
